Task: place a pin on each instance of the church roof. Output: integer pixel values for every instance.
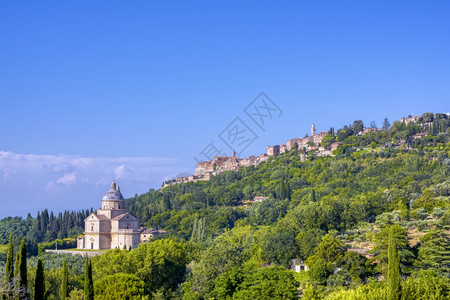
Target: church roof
(121, 216)
(98, 217)
(114, 193)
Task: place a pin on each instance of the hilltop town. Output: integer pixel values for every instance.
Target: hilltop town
(323, 143)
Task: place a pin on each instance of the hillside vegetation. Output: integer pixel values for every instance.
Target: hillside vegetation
(384, 194)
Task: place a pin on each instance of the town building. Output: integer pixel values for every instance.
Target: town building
(273, 150)
(148, 233)
(410, 119)
(112, 226)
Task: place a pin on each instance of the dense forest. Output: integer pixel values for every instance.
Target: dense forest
(370, 222)
(42, 230)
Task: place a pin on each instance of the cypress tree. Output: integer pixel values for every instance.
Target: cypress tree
(282, 190)
(313, 196)
(21, 270)
(288, 190)
(64, 291)
(194, 231)
(9, 268)
(88, 282)
(39, 284)
(393, 275)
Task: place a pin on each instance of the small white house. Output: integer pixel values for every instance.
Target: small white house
(299, 266)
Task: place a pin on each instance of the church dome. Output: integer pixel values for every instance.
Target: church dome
(113, 193)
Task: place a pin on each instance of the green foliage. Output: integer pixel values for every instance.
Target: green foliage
(381, 249)
(198, 231)
(356, 266)
(228, 251)
(426, 285)
(13, 225)
(393, 275)
(119, 286)
(371, 291)
(21, 270)
(279, 247)
(268, 283)
(326, 258)
(46, 227)
(328, 140)
(76, 294)
(161, 264)
(386, 124)
(67, 243)
(64, 287)
(10, 260)
(218, 248)
(307, 240)
(434, 251)
(39, 283)
(88, 282)
(342, 149)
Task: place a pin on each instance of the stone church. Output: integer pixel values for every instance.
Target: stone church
(113, 226)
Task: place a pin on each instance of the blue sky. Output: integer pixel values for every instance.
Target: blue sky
(133, 90)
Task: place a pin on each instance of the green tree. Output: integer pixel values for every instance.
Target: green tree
(288, 190)
(229, 250)
(342, 135)
(198, 231)
(161, 264)
(282, 192)
(88, 282)
(357, 126)
(226, 284)
(393, 276)
(313, 195)
(279, 247)
(327, 256)
(39, 284)
(308, 240)
(434, 251)
(9, 268)
(76, 294)
(328, 140)
(119, 286)
(386, 124)
(426, 285)
(268, 283)
(355, 265)
(21, 270)
(380, 250)
(64, 288)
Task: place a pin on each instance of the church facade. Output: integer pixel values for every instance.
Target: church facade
(113, 226)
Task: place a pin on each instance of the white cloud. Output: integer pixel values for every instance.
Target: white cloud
(75, 182)
(7, 172)
(51, 186)
(68, 179)
(119, 171)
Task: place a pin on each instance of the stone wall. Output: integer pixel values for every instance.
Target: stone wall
(84, 253)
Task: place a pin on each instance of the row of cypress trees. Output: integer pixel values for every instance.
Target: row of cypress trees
(16, 281)
(15, 285)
